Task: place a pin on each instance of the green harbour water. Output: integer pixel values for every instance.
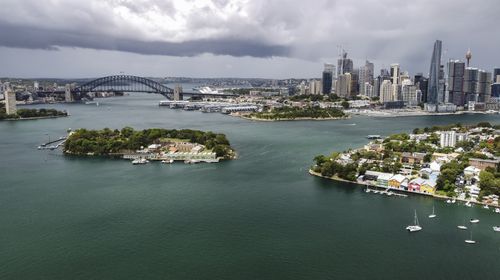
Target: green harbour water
(261, 216)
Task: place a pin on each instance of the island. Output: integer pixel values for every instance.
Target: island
(286, 113)
(456, 161)
(166, 145)
(31, 114)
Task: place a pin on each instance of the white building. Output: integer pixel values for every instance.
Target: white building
(315, 87)
(10, 102)
(386, 91)
(448, 139)
(409, 93)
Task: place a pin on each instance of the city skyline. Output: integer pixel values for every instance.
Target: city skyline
(235, 38)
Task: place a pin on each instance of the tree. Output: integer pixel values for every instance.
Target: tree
(345, 104)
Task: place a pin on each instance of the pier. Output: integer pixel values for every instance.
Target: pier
(47, 146)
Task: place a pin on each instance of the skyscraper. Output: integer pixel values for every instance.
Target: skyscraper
(365, 76)
(327, 78)
(344, 85)
(344, 64)
(496, 75)
(422, 83)
(395, 73)
(433, 94)
(477, 85)
(456, 71)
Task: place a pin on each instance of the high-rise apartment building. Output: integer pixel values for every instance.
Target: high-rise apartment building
(409, 93)
(395, 74)
(386, 91)
(343, 86)
(456, 71)
(477, 85)
(10, 102)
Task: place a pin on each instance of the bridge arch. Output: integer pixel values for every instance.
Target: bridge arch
(126, 83)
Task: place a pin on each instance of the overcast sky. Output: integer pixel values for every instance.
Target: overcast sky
(237, 38)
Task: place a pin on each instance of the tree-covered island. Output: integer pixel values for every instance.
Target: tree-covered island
(298, 113)
(444, 161)
(23, 114)
(151, 144)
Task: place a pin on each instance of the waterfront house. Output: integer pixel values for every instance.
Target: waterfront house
(383, 179)
(415, 184)
(428, 186)
(397, 180)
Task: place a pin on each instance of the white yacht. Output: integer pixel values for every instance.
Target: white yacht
(169, 161)
(139, 161)
(468, 204)
(415, 226)
(474, 221)
(448, 201)
(462, 227)
(497, 210)
(433, 214)
(486, 207)
(497, 229)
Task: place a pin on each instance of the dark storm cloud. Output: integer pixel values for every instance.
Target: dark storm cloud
(384, 31)
(35, 38)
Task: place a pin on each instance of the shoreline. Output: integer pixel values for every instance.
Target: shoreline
(35, 118)
(382, 114)
(435, 196)
(295, 119)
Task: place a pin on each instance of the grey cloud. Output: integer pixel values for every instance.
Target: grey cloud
(35, 38)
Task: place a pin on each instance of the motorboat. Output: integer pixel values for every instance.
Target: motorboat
(462, 227)
(453, 200)
(168, 161)
(486, 207)
(497, 228)
(448, 201)
(415, 227)
(139, 161)
(468, 204)
(474, 221)
(497, 210)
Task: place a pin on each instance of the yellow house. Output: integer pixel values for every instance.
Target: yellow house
(397, 180)
(428, 187)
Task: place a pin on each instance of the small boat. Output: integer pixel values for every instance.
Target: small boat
(474, 221)
(169, 161)
(375, 191)
(470, 241)
(497, 229)
(433, 215)
(486, 207)
(448, 201)
(140, 161)
(367, 190)
(462, 227)
(468, 204)
(497, 210)
(453, 201)
(415, 226)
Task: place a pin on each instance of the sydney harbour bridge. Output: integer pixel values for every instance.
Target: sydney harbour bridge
(125, 83)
